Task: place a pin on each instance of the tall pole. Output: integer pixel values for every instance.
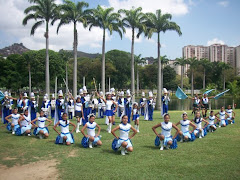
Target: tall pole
(84, 84)
(109, 84)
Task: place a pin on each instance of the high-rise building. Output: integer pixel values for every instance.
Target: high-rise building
(237, 55)
(196, 51)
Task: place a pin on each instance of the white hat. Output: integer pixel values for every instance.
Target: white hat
(87, 98)
(121, 93)
(32, 95)
(46, 95)
(135, 103)
(150, 94)
(25, 95)
(101, 93)
(9, 94)
(60, 93)
(80, 91)
(143, 94)
(44, 98)
(128, 92)
(165, 91)
(112, 90)
(107, 93)
(84, 89)
(6, 93)
(53, 95)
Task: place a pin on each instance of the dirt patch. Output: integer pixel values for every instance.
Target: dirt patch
(37, 170)
(9, 158)
(73, 153)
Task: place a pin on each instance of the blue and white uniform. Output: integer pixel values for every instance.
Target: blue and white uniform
(124, 135)
(165, 101)
(65, 131)
(205, 103)
(166, 132)
(222, 117)
(185, 128)
(33, 105)
(211, 121)
(109, 110)
(128, 107)
(20, 105)
(198, 123)
(26, 124)
(229, 112)
(45, 107)
(15, 118)
(91, 131)
(135, 114)
(78, 109)
(196, 102)
(41, 125)
(70, 109)
(6, 106)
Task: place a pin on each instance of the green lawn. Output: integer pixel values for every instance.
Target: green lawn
(217, 156)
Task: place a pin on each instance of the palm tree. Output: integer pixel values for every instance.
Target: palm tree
(224, 66)
(135, 20)
(193, 62)
(234, 90)
(138, 61)
(181, 62)
(158, 23)
(42, 11)
(105, 19)
(71, 12)
(164, 61)
(206, 64)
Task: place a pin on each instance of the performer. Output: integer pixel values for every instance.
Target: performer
(101, 106)
(142, 103)
(33, 104)
(198, 132)
(26, 101)
(128, 105)
(231, 114)
(71, 107)
(42, 130)
(114, 98)
(84, 99)
(124, 140)
(121, 109)
(94, 104)
(53, 105)
(212, 124)
(222, 117)
(205, 104)
(165, 101)
(5, 107)
(59, 107)
(25, 123)
(149, 108)
(20, 103)
(135, 115)
(109, 111)
(196, 103)
(185, 123)
(78, 112)
(15, 117)
(91, 135)
(65, 137)
(166, 137)
(45, 106)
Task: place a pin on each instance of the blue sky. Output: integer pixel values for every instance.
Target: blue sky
(202, 22)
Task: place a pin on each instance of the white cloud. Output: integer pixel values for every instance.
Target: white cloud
(11, 25)
(175, 7)
(215, 41)
(223, 3)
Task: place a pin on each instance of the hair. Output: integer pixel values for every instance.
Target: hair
(184, 114)
(62, 116)
(91, 115)
(211, 111)
(15, 108)
(166, 115)
(195, 118)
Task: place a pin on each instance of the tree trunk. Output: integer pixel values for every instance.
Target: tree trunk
(204, 78)
(159, 88)
(109, 84)
(75, 61)
(192, 90)
(132, 68)
(182, 76)
(162, 77)
(224, 82)
(29, 79)
(103, 63)
(47, 62)
(84, 81)
(137, 82)
(67, 77)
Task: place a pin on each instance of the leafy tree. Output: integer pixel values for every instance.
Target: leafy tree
(181, 62)
(193, 63)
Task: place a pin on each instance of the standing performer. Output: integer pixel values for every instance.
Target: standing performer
(26, 101)
(114, 98)
(45, 106)
(71, 107)
(121, 109)
(33, 104)
(149, 108)
(135, 115)
(196, 103)
(165, 100)
(142, 104)
(101, 106)
(53, 106)
(124, 140)
(128, 105)
(85, 105)
(5, 107)
(205, 104)
(109, 111)
(78, 113)
(59, 107)
(20, 103)
(166, 136)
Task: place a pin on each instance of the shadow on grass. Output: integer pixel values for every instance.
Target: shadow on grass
(150, 147)
(110, 151)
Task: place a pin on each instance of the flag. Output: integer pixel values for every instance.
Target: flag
(1, 96)
(220, 94)
(208, 92)
(180, 94)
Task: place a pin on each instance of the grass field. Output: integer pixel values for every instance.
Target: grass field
(216, 156)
